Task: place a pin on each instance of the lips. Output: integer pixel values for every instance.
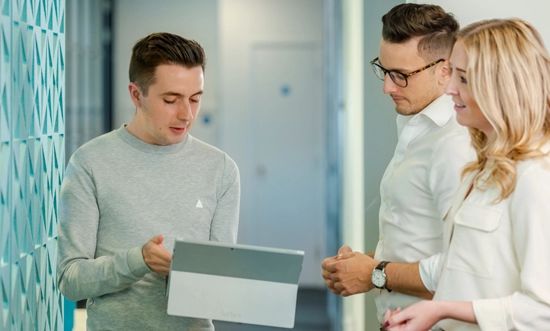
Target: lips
(459, 107)
(177, 130)
(397, 99)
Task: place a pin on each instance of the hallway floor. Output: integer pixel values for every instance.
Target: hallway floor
(311, 315)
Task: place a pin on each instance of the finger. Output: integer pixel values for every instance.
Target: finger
(387, 315)
(398, 317)
(340, 287)
(327, 261)
(335, 277)
(154, 239)
(334, 291)
(344, 256)
(332, 267)
(402, 327)
(156, 255)
(348, 292)
(163, 255)
(158, 239)
(163, 271)
(345, 249)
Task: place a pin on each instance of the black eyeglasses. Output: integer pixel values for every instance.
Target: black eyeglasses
(399, 78)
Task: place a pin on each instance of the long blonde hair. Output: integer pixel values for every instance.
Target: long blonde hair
(509, 77)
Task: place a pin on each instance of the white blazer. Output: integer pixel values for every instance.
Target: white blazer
(497, 255)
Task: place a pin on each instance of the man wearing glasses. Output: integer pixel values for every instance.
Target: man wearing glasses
(424, 173)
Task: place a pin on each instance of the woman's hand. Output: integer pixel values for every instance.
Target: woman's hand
(421, 316)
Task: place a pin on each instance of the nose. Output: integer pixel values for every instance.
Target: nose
(451, 89)
(389, 86)
(185, 112)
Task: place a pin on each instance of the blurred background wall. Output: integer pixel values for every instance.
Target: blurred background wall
(89, 41)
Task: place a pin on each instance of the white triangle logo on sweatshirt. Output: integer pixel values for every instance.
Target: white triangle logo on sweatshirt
(199, 204)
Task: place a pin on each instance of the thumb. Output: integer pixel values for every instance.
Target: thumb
(157, 239)
(387, 315)
(345, 249)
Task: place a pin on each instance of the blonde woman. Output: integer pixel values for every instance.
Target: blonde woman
(496, 271)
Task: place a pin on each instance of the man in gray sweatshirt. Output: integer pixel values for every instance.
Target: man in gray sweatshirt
(129, 193)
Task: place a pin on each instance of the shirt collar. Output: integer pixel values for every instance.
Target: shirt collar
(439, 111)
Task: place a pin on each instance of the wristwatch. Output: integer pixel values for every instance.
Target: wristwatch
(378, 276)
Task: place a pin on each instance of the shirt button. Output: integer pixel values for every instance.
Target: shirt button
(395, 164)
(381, 237)
(384, 199)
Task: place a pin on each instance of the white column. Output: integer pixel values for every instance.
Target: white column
(353, 173)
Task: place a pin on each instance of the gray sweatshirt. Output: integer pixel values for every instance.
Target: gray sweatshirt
(118, 193)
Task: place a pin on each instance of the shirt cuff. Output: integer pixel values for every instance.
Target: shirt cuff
(491, 313)
(429, 271)
(136, 264)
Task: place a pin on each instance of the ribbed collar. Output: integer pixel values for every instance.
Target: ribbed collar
(141, 145)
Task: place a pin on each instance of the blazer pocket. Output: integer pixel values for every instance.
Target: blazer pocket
(474, 243)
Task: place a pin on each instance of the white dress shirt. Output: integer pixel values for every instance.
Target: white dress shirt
(417, 189)
(498, 255)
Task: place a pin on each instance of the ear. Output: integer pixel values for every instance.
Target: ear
(135, 94)
(444, 74)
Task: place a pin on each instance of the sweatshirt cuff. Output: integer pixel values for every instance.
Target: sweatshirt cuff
(491, 314)
(136, 264)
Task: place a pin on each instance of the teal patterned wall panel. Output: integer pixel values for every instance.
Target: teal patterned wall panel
(32, 126)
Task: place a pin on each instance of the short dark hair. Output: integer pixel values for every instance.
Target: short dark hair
(435, 27)
(162, 48)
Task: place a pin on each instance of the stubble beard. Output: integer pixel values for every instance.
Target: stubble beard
(408, 110)
(420, 105)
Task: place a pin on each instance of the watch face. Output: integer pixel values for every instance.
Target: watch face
(378, 278)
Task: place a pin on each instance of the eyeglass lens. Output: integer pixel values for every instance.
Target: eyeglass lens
(397, 78)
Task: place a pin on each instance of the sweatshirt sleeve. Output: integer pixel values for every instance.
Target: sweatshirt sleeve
(80, 274)
(529, 307)
(225, 222)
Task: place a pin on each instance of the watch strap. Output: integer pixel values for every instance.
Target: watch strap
(381, 266)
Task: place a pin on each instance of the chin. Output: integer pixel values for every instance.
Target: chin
(461, 120)
(406, 112)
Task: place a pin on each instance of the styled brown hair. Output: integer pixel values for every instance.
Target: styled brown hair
(435, 27)
(162, 48)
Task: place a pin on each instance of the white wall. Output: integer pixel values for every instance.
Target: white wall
(243, 23)
(192, 19)
(468, 11)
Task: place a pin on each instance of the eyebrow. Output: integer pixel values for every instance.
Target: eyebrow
(176, 94)
(401, 70)
(456, 68)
